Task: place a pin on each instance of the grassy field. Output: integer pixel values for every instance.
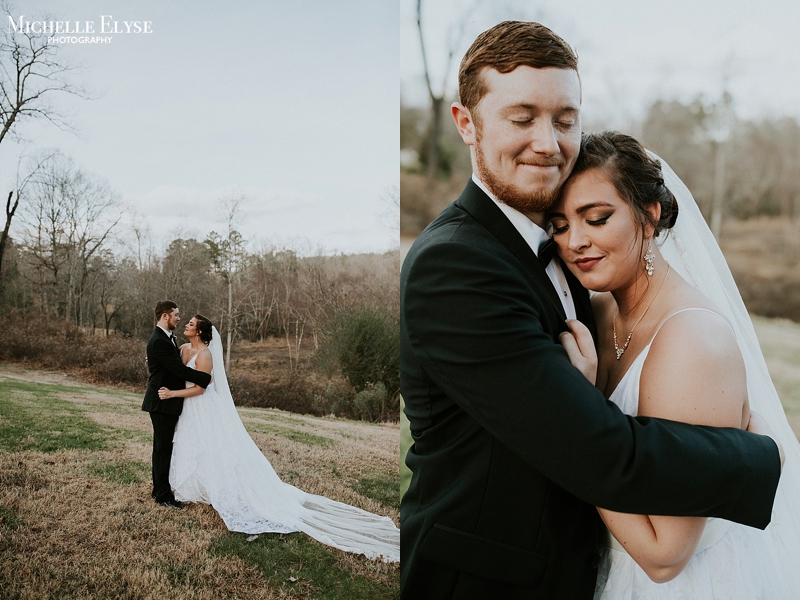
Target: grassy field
(77, 521)
(780, 342)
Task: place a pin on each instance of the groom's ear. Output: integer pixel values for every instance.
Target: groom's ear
(464, 123)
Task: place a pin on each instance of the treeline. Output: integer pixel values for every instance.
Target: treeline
(751, 166)
(272, 292)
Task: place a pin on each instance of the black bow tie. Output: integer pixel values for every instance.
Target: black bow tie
(546, 252)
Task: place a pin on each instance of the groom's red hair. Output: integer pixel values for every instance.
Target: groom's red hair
(505, 47)
(164, 306)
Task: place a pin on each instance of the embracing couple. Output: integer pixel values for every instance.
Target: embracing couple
(568, 446)
(202, 452)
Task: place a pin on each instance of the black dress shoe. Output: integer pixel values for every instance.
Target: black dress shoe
(172, 504)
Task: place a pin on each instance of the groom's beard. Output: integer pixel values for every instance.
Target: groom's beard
(525, 201)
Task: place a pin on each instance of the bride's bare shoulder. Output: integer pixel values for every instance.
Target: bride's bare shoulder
(204, 362)
(694, 371)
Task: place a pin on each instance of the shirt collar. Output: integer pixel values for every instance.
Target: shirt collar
(533, 235)
(169, 333)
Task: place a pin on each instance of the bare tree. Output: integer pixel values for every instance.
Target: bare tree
(720, 133)
(70, 217)
(12, 202)
(229, 255)
(31, 73)
(390, 210)
(454, 39)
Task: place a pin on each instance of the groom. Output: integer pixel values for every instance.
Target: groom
(166, 370)
(513, 447)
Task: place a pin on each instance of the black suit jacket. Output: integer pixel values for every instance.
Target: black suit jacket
(167, 370)
(513, 448)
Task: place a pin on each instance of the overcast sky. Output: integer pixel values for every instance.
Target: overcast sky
(292, 104)
(634, 51)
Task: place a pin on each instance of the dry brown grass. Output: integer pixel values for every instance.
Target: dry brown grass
(780, 342)
(81, 536)
(764, 257)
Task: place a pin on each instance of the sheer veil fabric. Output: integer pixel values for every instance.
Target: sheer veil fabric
(690, 248)
(214, 461)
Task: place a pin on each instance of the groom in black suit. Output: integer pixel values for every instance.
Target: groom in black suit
(513, 447)
(166, 370)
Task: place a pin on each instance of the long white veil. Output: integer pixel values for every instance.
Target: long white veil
(690, 248)
(250, 497)
(218, 377)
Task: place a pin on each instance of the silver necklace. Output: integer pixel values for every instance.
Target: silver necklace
(621, 351)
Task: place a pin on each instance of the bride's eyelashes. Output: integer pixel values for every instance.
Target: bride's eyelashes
(557, 227)
(600, 221)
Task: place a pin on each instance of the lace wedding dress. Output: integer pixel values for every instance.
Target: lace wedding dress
(732, 561)
(214, 461)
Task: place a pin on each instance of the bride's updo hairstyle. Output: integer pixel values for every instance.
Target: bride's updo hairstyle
(203, 328)
(635, 175)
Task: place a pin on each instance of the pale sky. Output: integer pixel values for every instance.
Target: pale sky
(632, 52)
(293, 104)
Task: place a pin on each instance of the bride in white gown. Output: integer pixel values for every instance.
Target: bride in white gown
(674, 341)
(214, 461)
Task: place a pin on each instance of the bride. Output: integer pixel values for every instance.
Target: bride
(214, 461)
(675, 342)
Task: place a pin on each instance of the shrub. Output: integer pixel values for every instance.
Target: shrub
(286, 392)
(374, 403)
(364, 345)
(337, 399)
(53, 343)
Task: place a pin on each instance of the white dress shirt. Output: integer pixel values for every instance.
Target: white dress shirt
(535, 236)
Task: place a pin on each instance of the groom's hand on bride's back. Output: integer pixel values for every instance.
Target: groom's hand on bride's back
(579, 344)
(759, 426)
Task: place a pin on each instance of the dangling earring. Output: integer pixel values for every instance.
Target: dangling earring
(649, 259)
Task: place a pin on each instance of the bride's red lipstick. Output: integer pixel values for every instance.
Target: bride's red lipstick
(587, 264)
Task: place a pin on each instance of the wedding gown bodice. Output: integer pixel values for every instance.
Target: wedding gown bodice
(192, 365)
(731, 561)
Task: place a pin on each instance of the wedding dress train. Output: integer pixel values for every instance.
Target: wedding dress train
(214, 461)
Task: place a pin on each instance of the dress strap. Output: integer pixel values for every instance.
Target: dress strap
(677, 312)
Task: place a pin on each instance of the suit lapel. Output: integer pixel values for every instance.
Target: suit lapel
(583, 304)
(170, 340)
(484, 211)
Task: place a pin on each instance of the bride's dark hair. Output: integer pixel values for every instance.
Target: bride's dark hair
(635, 175)
(203, 328)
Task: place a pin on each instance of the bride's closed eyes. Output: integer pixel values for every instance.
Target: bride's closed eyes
(559, 224)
